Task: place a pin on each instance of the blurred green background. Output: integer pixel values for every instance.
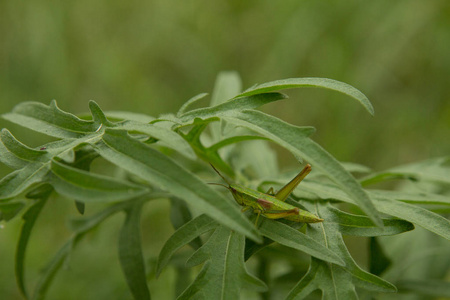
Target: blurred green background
(150, 57)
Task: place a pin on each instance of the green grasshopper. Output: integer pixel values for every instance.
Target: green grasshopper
(270, 205)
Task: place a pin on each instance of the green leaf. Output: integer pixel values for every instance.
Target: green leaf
(130, 253)
(81, 227)
(9, 159)
(310, 82)
(414, 214)
(378, 261)
(51, 269)
(18, 181)
(29, 217)
(434, 170)
(49, 120)
(426, 287)
(185, 234)
(98, 115)
(333, 280)
(232, 106)
(88, 187)
(20, 150)
(10, 210)
(362, 226)
(167, 137)
(295, 140)
(180, 215)
(160, 170)
(390, 206)
(227, 85)
(224, 274)
(414, 198)
(288, 236)
(131, 116)
(190, 102)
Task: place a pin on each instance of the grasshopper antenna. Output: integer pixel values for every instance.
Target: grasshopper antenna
(220, 175)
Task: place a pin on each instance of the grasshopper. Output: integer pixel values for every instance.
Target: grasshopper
(270, 205)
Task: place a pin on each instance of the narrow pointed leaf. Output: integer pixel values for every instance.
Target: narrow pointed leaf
(160, 170)
(29, 218)
(232, 106)
(97, 114)
(180, 214)
(8, 158)
(434, 170)
(310, 82)
(81, 227)
(10, 210)
(20, 150)
(414, 214)
(126, 115)
(130, 253)
(190, 102)
(182, 236)
(427, 287)
(288, 236)
(18, 181)
(168, 137)
(49, 120)
(362, 226)
(88, 187)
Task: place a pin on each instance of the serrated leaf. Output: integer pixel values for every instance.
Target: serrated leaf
(130, 253)
(224, 274)
(160, 170)
(295, 140)
(310, 82)
(185, 234)
(49, 120)
(290, 237)
(333, 280)
(88, 187)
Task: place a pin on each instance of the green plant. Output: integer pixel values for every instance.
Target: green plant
(165, 158)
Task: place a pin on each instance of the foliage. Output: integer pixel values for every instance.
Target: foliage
(165, 157)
